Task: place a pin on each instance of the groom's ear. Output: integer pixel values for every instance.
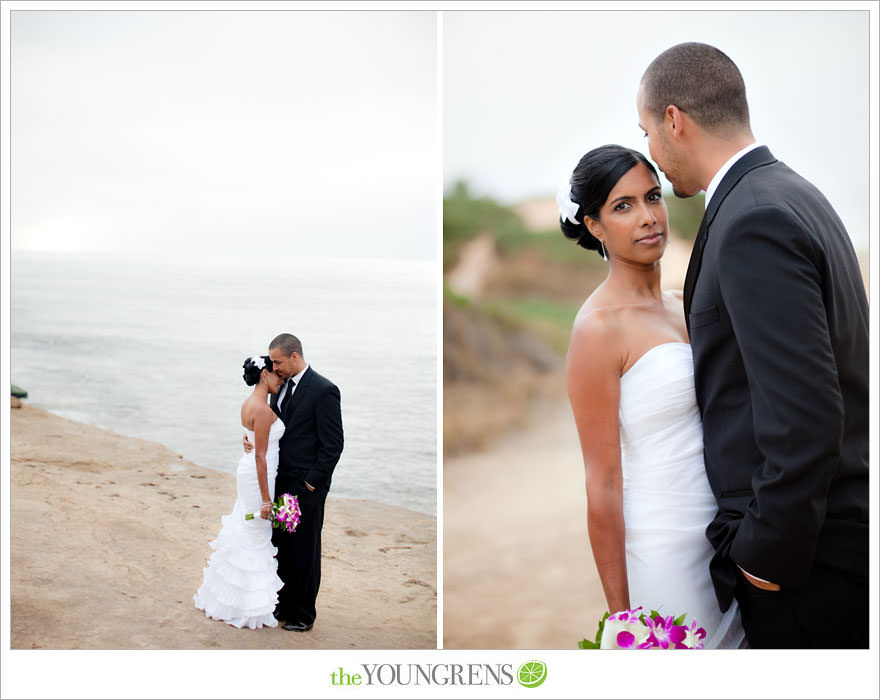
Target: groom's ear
(674, 122)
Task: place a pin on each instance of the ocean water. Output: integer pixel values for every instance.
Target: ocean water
(153, 349)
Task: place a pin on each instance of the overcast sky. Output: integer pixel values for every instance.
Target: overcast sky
(526, 94)
(308, 133)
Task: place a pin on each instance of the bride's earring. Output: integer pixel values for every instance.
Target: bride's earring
(604, 255)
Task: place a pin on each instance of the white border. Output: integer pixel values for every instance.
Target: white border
(185, 674)
(5, 288)
(439, 326)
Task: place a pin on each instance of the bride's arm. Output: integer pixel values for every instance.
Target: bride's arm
(593, 383)
(262, 423)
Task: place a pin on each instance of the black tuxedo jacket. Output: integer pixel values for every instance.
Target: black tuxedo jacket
(312, 440)
(778, 322)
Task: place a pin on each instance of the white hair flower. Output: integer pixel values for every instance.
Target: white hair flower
(567, 209)
(258, 361)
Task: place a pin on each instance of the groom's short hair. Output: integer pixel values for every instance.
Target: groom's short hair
(288, 344)
(702, 82)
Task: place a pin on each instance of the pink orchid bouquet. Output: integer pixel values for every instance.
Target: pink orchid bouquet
(285, 513)
(634, 629)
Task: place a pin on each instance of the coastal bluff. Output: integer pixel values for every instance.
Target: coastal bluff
(109, 536)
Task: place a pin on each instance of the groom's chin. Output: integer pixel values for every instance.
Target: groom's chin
(682, 194)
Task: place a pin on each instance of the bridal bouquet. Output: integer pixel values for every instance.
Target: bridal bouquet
(632, 629)
(285, 512)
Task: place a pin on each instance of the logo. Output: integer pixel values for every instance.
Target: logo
(531, 674)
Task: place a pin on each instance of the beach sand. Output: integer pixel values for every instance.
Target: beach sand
(109, 536)
(518, 572)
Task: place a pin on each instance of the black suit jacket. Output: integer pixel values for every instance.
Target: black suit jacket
(312, 440)
(778, 320)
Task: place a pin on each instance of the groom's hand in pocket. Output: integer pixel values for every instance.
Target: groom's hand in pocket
(759, 583)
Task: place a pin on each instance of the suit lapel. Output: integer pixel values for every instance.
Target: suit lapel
(690, 280)
(299, 393)
(751, 160)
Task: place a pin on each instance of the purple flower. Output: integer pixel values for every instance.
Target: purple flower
(633, 629)
(285, 511)
(288, 512)
(627, 615)
(665, 633)
(626, 640)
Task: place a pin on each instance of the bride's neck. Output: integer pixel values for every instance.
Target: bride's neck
(261, 391)
(634, 283)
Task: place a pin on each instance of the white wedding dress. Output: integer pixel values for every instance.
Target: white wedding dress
(667, 502)
(241, 583)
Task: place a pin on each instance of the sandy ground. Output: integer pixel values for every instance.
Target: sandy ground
(518, 572)
(109, 536)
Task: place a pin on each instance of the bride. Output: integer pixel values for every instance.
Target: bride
(241, 583)
(629, 375)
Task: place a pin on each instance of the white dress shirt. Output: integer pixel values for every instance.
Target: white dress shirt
(295, 378)
(716, 179)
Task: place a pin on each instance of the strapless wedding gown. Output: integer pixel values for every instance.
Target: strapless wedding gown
(667, 502)
(241, 583)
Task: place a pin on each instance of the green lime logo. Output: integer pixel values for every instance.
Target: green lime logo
(531, 674)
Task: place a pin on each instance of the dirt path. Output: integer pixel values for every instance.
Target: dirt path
(517, 568)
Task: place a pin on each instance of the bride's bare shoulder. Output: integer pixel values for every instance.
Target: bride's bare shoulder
(254, 411)
(597, 326)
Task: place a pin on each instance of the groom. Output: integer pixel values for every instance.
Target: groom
(778, 322)
(309, 406)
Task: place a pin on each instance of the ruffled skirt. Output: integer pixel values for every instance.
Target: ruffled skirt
(240, 584)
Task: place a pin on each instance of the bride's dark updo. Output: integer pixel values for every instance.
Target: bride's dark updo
(591, 182)
(252, 370)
